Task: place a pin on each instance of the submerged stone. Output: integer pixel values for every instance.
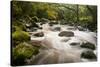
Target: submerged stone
(66, 34)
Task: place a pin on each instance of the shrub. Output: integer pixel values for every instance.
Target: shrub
(19, 25)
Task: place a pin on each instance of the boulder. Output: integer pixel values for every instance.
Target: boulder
(88, 55)
(73, 44)
(33, 29)
(40, 34)
(56, 29)
(88, 45)
(66, 34)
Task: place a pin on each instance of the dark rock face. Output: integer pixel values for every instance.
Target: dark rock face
(88, 55)
(66, 34)
(74, 44)
(40, 34)
(88, 45)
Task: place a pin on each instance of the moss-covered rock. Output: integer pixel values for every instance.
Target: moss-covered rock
(88, 55)
(20, 36)
(88, 45)
(22, 52)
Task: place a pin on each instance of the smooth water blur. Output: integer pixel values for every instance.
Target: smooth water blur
(58, 49)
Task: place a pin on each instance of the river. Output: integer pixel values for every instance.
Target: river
(58, 49)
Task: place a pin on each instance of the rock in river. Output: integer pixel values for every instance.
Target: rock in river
(74, 44)
(56, 29)
(40, 34)
(88, 55)
(88, 45)
(66, 34)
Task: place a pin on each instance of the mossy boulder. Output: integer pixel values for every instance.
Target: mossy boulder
(22, 52)
(20, 36)
(88, 55)
(66, 34)
(88, 45)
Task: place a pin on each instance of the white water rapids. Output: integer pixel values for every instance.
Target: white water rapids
(58, 49)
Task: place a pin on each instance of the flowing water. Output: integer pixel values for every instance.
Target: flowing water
(58, 49)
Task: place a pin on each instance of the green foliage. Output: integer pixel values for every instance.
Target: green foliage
(23, 51)
(20, 36)
(35, 18)
(85, 15)
(17, 25)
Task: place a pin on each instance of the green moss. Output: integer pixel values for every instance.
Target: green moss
(23, 51)
(20, 36)
(18, 25)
